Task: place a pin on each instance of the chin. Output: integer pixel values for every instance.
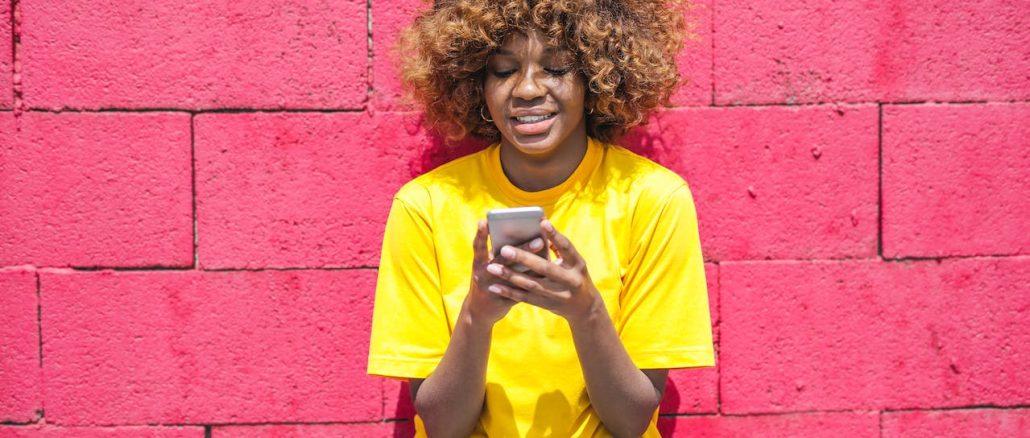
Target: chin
(542, 145)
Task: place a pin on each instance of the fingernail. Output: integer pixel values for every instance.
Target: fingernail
(536, 244)
(547, 225)
(494, 268)
(494, 288)
(508, 252)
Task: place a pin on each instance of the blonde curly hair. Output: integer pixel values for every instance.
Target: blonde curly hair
(624, 51)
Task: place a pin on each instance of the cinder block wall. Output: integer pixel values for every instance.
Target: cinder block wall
(192, 196)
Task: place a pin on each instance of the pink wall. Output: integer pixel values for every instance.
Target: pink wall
(192, 196)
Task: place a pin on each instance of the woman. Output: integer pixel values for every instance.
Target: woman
(580, 345)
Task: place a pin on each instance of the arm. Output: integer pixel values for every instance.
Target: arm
(624, 396)
(450, 400)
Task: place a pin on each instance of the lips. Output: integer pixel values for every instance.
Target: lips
(533, 124)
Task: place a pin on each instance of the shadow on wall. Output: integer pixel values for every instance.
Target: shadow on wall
(437, 150)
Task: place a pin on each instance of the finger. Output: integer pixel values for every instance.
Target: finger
(534, 262)
(570, 257)
(480, 254)
(547, 269)
(507, 292)
(515, 294)
(519, 280)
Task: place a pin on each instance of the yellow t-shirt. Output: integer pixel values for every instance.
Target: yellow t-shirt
(632, 220)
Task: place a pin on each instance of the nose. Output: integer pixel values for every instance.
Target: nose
(529, 86)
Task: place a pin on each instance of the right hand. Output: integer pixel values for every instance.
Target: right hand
(482, 305)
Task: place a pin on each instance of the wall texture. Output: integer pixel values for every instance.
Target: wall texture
(192, 196)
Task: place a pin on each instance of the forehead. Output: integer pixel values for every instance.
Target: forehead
(531, 42)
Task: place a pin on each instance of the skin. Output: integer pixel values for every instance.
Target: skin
(527, 75)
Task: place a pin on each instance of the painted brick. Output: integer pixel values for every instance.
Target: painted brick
(20, 384)
(856, 425)
(958, 423)
(214, 347)
(810, 51)
(102, 432)
(6, 63)
(805, 176)
(358, 430)
(388, 19)
(696, 391)
(259, 54)
(800, 336)
(695, 61)
(289, 190)
(955, 180)
(100, 189)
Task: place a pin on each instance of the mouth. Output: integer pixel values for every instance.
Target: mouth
(533, 124)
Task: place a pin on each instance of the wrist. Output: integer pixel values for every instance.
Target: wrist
(595, 312)
(474, 321)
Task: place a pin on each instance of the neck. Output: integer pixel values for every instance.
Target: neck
(535, 173)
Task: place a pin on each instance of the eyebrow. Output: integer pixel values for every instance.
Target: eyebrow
(548, 51)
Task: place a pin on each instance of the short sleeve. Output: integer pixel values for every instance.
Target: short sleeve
(409, 325)
(664, 320)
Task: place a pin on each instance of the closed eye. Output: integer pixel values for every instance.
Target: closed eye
(557, 71)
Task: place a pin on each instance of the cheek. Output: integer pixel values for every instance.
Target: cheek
(573, 95)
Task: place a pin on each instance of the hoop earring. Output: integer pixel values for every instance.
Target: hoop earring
(484, 115)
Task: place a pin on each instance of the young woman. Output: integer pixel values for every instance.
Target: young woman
(580, 345)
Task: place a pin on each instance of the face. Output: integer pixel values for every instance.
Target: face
(534, 95)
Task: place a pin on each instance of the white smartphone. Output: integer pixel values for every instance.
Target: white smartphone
(515, 226)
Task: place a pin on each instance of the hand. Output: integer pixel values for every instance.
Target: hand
(562, 286)
(482, 305)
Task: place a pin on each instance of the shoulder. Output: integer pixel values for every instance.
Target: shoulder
(645, 180)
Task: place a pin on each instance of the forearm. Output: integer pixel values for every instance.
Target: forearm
(450, 401)
(621, 393)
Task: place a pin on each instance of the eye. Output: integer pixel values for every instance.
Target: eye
(557, 71)
(502, 73)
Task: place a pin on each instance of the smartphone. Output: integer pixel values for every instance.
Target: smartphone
(515, 226)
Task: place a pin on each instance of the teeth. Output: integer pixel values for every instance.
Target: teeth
(532, 119)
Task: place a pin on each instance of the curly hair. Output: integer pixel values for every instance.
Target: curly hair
(624, 51)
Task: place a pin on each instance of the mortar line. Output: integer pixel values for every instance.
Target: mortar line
(240, 424)
(39, 318)
(310, 268)
(369, 71)
(880, 422)
(374, 267)
(197, 111)
(359, 110)
(879, 182)
(711, 25)
(718, 351)
(960, 408)
(15, 42)
(39, 332)
(193, 189)
(773, 414)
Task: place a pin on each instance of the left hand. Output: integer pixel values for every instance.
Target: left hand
(562, 286)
